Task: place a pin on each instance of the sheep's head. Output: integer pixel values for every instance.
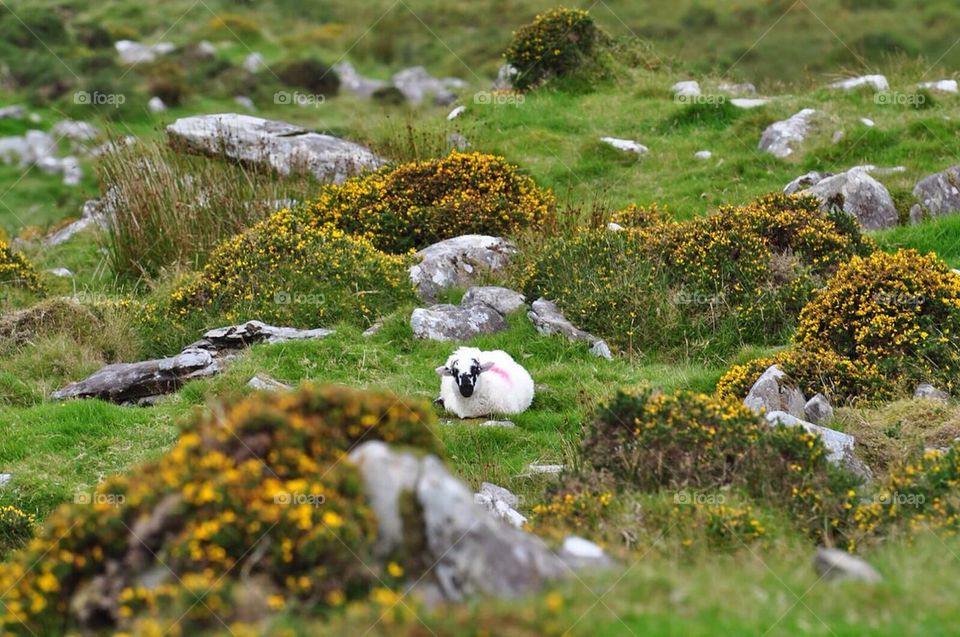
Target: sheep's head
(465, 369)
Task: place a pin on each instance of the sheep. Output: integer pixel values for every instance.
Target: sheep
(475, 383)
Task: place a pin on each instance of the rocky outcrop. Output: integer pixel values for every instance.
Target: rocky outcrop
(144, 382)
(456, 322)
(501, 503)
(938, 194)
(773, 393)
(780, 138)
(277, 145)
(549, 320)
(503, 300)
(96, 213)
(834, 564)
(926, 391)
(473, 552)
(818, 410)
(457, 262)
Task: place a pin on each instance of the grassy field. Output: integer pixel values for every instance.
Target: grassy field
(668, 584)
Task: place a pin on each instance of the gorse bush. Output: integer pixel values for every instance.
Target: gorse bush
(651, 441)
(555, 44)
(883, 324)
(709, 285)
(409, 206)
(173, 209)
(289, 270)
(16, 271)
(16, 528)
(255, 499)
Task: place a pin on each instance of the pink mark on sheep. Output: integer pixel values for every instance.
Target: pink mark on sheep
(500, 372)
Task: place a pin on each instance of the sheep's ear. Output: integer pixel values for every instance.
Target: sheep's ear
(443, 371)
(487, 366)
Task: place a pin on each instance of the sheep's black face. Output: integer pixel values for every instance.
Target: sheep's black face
(467, 380)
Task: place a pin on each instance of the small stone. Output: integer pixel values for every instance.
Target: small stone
(614, 227)
(505, 424)
(876, 82)
(944, 86)
(780, 137)
(373, 329)
(926, 391)
(455, 113)
(866, 121)
(5, 479)
(749, 102)
(61, 272)
(545, 469)
(156, 105)
(253, 63)
(262, 382)
(837, 136)
(834, 564)
(703, 154)
(687, 88)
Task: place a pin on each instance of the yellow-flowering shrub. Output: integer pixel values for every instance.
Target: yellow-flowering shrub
(634, 216)
(709, 519)
(288, 270)
(651, 442)
(15, 270)
(555, 44)
(16, 527)
(256, 493)
(713, 283)
(895, 316)
(414, 204)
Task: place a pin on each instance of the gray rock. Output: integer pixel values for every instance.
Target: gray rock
(473, 553)
(417, 84)
(503, 300)
(501, 503)
(278, 145)
(703, 154)
(745, 88)
(747, 103)
(254, 62)
(206, 49)
(866, 121)
(876, 82)
(929, 392)
(455, 113)
(803, 182)
(579, 553)
(262, 382)
(457, 141)
(504, 424)
(626, 145)
(860, 195)
(505, 75)
(687, 88)
(145, 381)
(352, 81)
(818, 410)
(457, 262)
(780, 137)
(61, 272)
(549, 320)
(545, 469)
(944, 86)
(373, 329)
(131, 52)
(5, 479)
(614, 227)
(96, 213)
(456, 322)
(938, 194)
(834, 564)
(840, 446)
(12, 112)
(770, 393)
(75, 131)
(156, 105)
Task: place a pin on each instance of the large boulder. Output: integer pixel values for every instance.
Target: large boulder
(456, 322)
(416, 84)
(773, 393)
(503, 300)
(144, 382)
(280, 146)
(549, 320)
(860, 196)
(472, 552)
(457, 262)
(780, 137)
(938, 194)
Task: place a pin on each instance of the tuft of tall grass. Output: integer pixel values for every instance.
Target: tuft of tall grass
(170, 210)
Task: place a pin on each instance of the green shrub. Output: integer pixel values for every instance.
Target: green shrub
(31, 28)
(16, 271)
(709, 285)
(406, 207)
(313, 75)
(255, 498)
(555, 44)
